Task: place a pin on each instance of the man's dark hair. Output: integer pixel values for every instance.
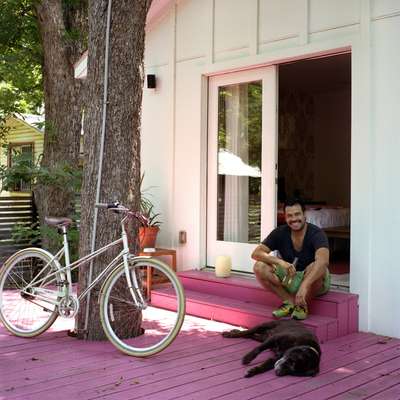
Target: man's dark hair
(292, 202)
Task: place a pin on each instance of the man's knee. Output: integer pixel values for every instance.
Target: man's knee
(259, 268)
(264, 272)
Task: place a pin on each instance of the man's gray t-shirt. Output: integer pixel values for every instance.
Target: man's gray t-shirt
(280, 239)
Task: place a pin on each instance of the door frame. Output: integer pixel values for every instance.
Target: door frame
(242, 251)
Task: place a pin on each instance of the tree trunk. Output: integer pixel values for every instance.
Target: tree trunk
(63, 98)
(121, 158)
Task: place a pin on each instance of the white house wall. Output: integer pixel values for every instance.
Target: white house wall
(385, 95)
(199, 38)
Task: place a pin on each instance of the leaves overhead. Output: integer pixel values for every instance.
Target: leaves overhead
(21, 54)
(20, 58)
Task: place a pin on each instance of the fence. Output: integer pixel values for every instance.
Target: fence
(14, 210)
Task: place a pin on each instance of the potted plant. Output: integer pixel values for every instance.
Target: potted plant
(149, 223)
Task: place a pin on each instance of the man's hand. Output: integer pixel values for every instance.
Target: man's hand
(290, 268)
(301, 295)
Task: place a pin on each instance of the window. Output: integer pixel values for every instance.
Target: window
(21, 153)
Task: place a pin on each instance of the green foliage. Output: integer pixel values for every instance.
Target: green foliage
(33, 234)
(30, 234)
(20, 58)
(4, 129)
(21, 83)
(150, 218)
(61, 175)
(23, 169)
(21, 54)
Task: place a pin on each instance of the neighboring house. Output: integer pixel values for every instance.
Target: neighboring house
(24, 137)
(256, 100)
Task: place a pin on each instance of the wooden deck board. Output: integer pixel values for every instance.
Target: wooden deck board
(276, 387)
(200, 364)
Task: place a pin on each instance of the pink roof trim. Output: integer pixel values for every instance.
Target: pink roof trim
(157, 9)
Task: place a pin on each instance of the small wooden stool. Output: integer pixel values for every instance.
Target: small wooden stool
(157, 253)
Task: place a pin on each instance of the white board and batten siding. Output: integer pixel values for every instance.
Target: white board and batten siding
(194, 39)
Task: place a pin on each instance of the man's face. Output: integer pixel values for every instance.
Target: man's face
(295, 217)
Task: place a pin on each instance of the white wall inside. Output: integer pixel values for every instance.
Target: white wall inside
(385, 92)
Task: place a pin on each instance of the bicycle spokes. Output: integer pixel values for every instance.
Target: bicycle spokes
(29, 308)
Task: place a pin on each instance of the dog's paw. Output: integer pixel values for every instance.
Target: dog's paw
(251, 372)
(230, 334)
(247, 359)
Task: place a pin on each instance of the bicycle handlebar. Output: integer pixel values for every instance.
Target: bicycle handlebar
(119, 208)
(116, 204)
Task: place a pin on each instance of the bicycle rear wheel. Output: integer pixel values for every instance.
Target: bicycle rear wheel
(145, 332)
(28, 297)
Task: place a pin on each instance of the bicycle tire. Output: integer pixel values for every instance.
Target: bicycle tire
(21, 311)
(160, 326)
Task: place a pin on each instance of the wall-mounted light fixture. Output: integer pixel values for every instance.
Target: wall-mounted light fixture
(151, 81)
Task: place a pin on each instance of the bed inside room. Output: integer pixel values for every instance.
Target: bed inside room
(314, 150)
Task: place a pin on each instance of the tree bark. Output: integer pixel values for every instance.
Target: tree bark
(63, 98)
(121, 159)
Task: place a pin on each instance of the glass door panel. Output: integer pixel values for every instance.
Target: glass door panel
(239, 162)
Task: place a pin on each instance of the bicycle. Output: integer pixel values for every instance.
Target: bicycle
(35, 289)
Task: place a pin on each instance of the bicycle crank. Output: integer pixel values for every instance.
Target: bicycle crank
(68, 306)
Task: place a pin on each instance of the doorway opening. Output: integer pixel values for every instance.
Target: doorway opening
(314, 150)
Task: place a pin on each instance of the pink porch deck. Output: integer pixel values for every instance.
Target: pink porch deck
(200, 364)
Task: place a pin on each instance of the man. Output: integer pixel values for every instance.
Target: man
(301, 271)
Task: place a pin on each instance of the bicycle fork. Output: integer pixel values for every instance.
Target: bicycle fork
(131, 279)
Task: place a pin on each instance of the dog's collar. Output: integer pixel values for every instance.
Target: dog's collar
(314, 350)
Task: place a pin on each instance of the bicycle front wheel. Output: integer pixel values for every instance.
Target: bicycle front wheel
(29, 292)
(142, 332)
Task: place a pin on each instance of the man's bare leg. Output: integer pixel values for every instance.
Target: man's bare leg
(316, 286)
(267, 278)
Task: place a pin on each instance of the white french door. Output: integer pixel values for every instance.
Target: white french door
(242, 156)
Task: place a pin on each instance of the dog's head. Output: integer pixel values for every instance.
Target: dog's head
(298, 361)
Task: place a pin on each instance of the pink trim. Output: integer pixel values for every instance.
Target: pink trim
(157, 8)
(286, 60)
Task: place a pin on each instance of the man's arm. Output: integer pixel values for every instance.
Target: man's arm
(261, 253)
(319, 267)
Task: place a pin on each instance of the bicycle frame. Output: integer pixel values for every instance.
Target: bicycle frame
(67, 281)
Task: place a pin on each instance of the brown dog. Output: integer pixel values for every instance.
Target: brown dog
(296, 349)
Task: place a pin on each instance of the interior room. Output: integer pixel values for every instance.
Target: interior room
(314, 149)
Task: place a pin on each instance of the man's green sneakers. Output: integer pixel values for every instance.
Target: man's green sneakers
(300, 312)
(284, 310)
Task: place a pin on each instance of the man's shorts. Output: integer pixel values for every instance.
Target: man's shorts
(295, 283)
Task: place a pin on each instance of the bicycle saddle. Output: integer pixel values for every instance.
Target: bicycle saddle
(58, 221)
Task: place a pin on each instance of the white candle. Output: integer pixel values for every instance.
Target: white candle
(223, 265)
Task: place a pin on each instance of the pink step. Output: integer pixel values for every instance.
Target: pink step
(338, 305)
(237, 312)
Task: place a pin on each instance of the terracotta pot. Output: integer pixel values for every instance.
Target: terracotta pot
(148, 236)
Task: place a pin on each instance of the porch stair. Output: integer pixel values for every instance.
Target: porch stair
(241, 301)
